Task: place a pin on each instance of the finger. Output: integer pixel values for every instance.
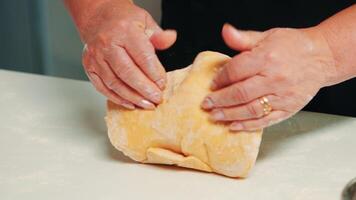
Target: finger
(238, 93)
(143, 54)
(241, 40)
(240, 67)
(161, 39)
(104, 71)
(115, 85)
(100, 87)
(129, 94)
(255, 124)
(252, 110)
(124, 68)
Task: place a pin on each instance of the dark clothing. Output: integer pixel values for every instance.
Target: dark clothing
(199, 24)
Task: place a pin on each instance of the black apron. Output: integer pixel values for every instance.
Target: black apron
(199, 24)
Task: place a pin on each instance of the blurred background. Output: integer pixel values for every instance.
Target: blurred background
(39, 36)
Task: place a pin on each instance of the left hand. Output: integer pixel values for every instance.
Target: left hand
(286, 66)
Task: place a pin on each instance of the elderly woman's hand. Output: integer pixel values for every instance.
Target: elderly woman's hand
(281, 68)
(119, 56)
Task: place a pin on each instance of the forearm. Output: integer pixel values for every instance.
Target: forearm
(82, 11)
(340, 34)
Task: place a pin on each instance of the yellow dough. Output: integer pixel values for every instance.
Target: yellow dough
(178, 132)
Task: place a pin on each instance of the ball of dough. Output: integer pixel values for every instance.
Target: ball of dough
(178, 132)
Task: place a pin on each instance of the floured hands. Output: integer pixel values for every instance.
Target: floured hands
(119, 56)
(286, 66)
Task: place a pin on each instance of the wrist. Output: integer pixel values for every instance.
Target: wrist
(324, 55)
(86, 12)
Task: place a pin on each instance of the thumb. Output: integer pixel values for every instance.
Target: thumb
(241, 40)
(161, 39)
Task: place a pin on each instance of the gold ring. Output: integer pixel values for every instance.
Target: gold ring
(267, 108)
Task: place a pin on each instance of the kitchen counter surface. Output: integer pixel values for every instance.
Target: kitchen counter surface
(53, 145)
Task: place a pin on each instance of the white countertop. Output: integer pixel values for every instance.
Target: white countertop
(53, 145)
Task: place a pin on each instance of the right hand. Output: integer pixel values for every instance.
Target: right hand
(119, 54)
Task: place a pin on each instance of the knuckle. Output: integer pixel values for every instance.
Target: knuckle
(124, 71)
(104, 42)
(122, 24)
(89, 50)
(253, 111)
(232, 69)
(92, 51)
(272, 56)
(101, 39)
(113, 84)
(144, 57)
(240, 93)
(230, 72)
(280, 78)
(291, 93)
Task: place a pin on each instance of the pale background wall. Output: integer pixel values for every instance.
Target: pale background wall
(38, 36)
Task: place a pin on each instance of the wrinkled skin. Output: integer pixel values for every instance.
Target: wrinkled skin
(288, 66)
(119, 55)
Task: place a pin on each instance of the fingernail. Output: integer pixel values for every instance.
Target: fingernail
(217, 115)
(156, 97)
(161, 83)
(146, 104)
(207, 103)
(128, 106)
(236, 126)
